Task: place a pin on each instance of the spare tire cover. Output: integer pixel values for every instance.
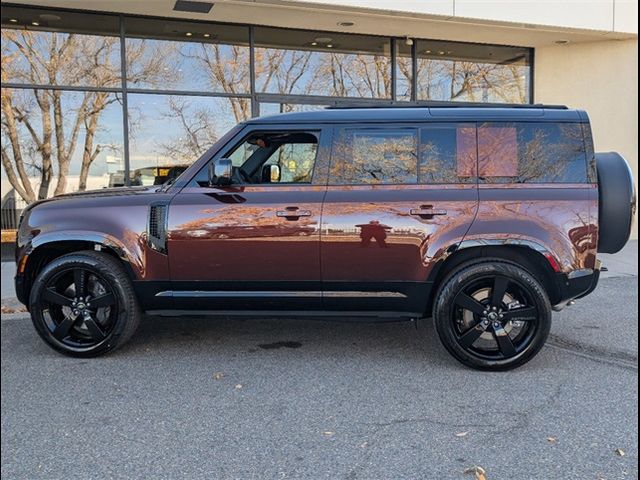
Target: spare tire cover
(617, 202)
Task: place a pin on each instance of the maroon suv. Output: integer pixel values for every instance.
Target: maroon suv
(484, 218)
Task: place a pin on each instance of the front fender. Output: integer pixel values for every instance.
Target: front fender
(132, 254)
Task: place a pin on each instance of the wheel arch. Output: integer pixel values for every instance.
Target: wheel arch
(44, 250)
(531, 256)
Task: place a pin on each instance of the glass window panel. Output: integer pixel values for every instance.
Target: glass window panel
(531, 153)
(371, 156)
(187, 56)
(294, 153)
(448, 154)
(404, 70)
(277, 108)
(173, 131)
(59, 58)
(321, 63)
(91, 156)
(295, 161)
(449, 71)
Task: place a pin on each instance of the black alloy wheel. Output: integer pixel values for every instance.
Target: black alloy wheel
(82, 304)
(492, 315)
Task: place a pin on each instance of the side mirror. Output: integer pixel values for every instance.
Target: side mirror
(220, 172)
(270, 173)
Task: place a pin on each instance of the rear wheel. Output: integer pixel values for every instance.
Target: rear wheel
(492, 315)
(83, 305)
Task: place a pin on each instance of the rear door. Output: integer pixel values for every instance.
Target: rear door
(398, 196)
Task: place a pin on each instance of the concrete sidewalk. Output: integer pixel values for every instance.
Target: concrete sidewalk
(622, 264)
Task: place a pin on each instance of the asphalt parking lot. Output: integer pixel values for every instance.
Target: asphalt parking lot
(196, 398)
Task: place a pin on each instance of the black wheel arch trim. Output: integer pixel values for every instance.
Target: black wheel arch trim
(24, 280)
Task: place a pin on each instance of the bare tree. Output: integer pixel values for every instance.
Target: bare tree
(53, 127)
(197, 130)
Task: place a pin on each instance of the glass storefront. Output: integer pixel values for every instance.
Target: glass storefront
(93, 100)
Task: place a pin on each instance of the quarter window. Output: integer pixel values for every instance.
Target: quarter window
(375, 156)
(531, 153)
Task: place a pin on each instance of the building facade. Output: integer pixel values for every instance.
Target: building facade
(130, 93)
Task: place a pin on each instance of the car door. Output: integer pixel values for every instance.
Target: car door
(254, 244)
(398, 196)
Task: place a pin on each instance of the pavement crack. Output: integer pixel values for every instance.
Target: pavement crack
(617, 358)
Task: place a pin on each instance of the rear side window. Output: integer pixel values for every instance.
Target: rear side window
(447, 153)
(431, 154)
(531, 153)
(375, 156)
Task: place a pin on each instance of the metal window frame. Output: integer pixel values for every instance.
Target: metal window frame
(253, 96)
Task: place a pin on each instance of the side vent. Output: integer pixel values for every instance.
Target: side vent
(157, 228)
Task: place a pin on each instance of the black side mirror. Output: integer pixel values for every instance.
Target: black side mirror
(270, 174)
(220, 172)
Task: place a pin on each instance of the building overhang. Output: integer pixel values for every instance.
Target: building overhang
(327, 15)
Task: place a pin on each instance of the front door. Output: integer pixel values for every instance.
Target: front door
(254, 244)
(398, 197)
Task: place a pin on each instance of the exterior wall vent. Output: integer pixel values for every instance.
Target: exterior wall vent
(193, 7)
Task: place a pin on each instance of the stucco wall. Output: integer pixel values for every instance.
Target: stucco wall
(602, 78)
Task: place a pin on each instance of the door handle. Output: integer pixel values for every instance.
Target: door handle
(427, 211)
(293, 213)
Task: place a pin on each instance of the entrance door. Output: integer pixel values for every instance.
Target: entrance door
(398, 195)
(255, 244)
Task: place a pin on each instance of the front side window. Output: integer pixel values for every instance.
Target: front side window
(531, 153)
(375, 156)
(274, 157)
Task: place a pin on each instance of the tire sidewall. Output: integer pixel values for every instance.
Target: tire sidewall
(444, 306)
(93, 264)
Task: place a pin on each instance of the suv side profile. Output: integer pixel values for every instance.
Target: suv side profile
(485, 218)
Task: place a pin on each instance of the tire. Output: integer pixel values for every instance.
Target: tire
(474, 332)
(617, 202)
(83, 329)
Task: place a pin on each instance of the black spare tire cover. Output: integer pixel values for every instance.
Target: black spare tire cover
(617, 202)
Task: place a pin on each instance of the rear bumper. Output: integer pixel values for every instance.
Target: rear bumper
(576, 285)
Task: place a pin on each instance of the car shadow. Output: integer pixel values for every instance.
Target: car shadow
(299, 336)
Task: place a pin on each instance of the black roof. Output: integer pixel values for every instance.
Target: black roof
(429, 112)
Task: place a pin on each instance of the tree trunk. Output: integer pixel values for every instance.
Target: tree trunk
(88, 155)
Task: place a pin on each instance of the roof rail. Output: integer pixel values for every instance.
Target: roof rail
(438, 104)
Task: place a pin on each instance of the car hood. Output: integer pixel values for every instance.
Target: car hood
(102, 193)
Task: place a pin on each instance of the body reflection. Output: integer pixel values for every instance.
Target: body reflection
(374, 230)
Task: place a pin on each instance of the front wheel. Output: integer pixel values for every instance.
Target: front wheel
(492, 315)
(82, 304)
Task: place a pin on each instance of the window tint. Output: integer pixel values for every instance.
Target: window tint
(447, 154)
(373, 156)
(293, 153)
(531, 153)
